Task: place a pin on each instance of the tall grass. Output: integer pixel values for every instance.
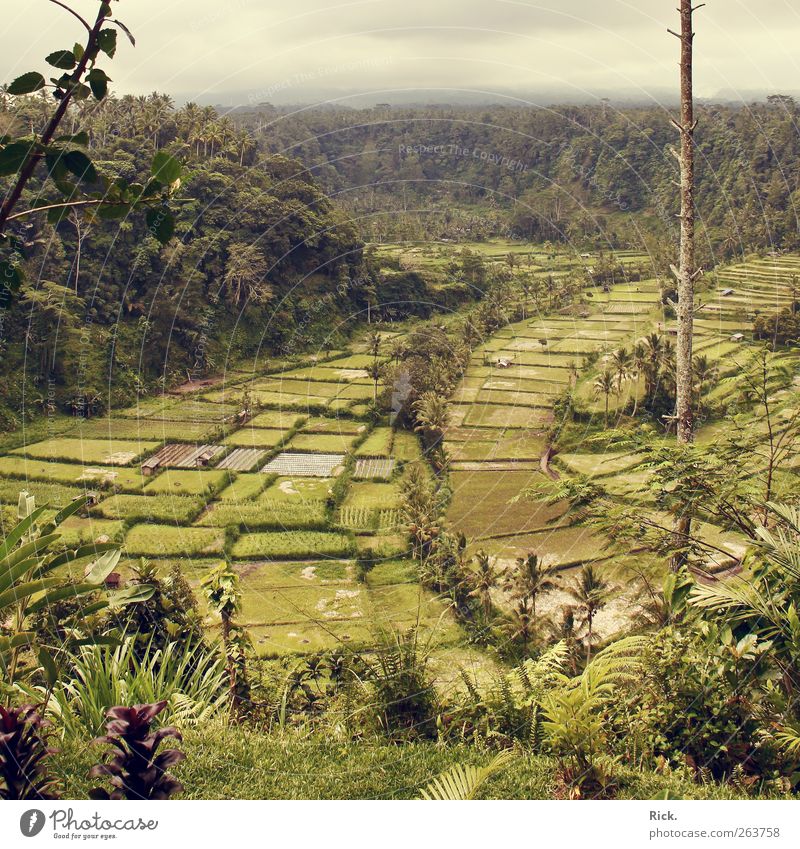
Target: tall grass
(192, 680)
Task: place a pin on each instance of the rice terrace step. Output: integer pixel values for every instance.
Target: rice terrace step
(242, 459)
(305, 465)
(181, 456)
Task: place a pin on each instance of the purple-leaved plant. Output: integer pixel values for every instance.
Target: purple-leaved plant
(134, 770)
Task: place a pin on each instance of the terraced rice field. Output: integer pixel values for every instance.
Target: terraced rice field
(758, 285)
(504, 406)
(295, 495)
(291, 497)
(242, 459)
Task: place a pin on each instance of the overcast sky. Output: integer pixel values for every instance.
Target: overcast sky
(249, 51)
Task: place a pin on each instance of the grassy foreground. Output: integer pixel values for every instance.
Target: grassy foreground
(233, 763)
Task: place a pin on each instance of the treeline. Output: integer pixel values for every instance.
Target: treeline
(588, 175)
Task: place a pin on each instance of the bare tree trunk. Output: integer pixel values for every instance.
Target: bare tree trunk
(589, 637)
(687, 271)
(230, 664)
(76, 221)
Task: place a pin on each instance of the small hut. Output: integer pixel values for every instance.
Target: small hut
(149, 467)
(204, 458)
(503, 362)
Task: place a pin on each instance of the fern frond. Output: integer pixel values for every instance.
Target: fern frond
(462, 782)
(619, 663)
(788, 740)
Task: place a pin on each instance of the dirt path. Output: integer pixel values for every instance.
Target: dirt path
(544, 464)
(194, 385)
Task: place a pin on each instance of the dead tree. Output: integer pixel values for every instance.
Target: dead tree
(687, 270)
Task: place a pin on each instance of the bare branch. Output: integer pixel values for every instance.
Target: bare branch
(73, 13)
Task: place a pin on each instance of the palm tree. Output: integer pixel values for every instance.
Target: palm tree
(483, 579)
(653, 351)
(590, 592)
(704, 373)
(621, 365)
(604, 384)
(214, 136)
(530, 579)
(374, 347)
(189, 119)
(245, 275)
(520, 625)
(638, 363)
(432, 415)
(244, 143)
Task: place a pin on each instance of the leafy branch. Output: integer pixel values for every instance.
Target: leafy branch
(69, 169)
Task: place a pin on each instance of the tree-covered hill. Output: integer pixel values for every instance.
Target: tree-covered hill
(108, 310)
(584, 174)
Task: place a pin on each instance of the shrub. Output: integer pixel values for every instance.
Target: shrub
(29, 578)
(134, 770)
(684, 711)
(405, 699)
(188, 677)
(23, 755)
(170, 614)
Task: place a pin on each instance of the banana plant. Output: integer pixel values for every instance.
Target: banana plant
(30, 582)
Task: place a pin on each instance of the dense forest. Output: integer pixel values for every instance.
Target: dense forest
(255, 244)
(591, 175)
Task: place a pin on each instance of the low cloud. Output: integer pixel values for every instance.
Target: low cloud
(203, 50)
